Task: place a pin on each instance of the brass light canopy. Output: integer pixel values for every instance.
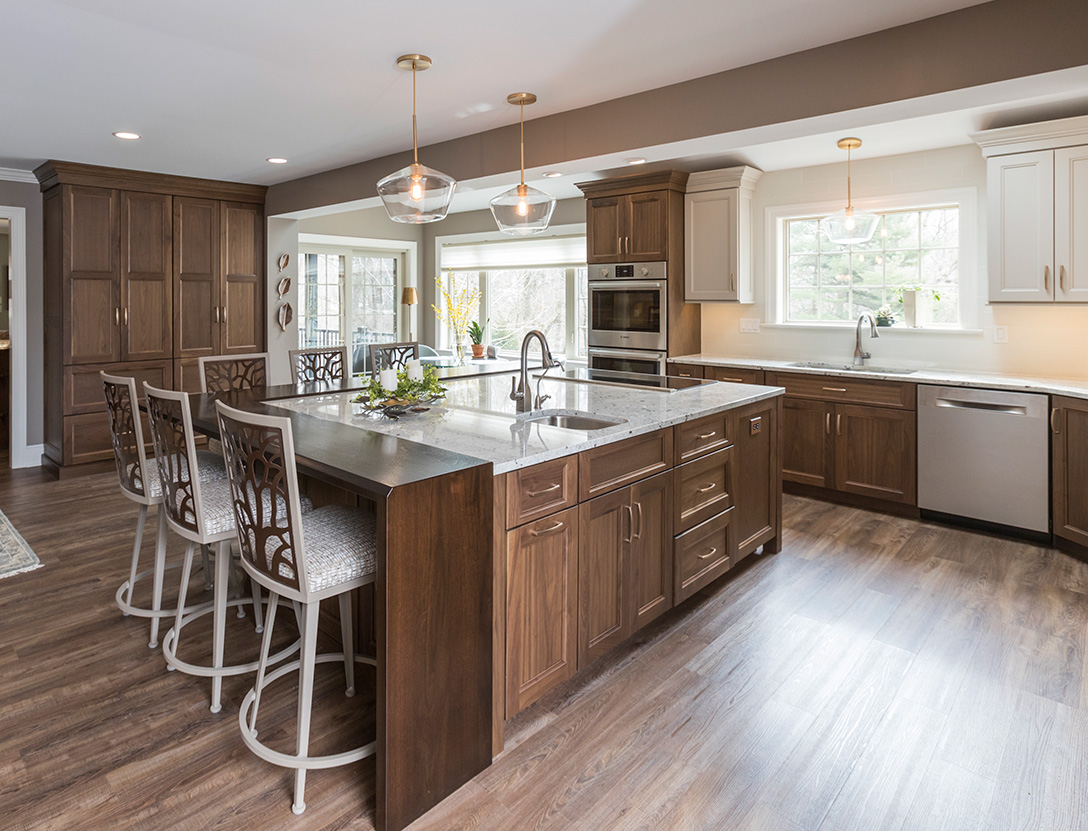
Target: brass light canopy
(416, 194)
(849, 226)
(522, 211)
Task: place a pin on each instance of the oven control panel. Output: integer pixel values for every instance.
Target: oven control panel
(628, 271)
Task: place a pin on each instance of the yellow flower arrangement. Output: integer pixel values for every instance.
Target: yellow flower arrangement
(457, 313)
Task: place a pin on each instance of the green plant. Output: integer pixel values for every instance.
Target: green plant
(884, 313)
(920, 289)
(407, 389)
(476, 331)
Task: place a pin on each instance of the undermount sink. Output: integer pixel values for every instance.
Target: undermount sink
(574, 421)
(886, 370)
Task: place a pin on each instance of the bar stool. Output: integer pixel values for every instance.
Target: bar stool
(305, 558)
(392, 355)
(223, 373)
(200, 512)
(139, 477)
(319, 363)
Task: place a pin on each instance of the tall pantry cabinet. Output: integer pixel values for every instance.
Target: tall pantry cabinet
(118, 296)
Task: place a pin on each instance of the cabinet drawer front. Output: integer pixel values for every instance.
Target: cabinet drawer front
(701, 555)
(540, 490)
(702, 436)
(734, 375)
(83, 387)
(851, 390)
(87, 438)
(685, 370)
(703, 488)
(604, 469)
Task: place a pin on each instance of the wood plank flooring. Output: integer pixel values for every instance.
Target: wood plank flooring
(878, 673)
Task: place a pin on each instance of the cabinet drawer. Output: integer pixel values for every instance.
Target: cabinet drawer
(701, 555)
(604, 469)
(83, 387)
(686, 370)
(87, 438)
(733, 375)
(702, 436)
(703, 488)
(540, 490)
(850, 390)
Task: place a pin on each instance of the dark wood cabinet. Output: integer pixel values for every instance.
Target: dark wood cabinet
(605, 229)
(875, 452)
(757, 489)
(651, 550)
(90, 276)
(146, 277)
(734, 375)
(241, 298)
(807, 442)
(631, 227)
(1069, 446)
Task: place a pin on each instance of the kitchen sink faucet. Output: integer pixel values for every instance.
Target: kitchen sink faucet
(859, 356)
(519, 387)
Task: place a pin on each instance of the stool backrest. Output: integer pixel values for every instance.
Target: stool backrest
(126, 432)
(223, 373)
(260, 455)
(172, 435)
(392, 355)
(320, 363)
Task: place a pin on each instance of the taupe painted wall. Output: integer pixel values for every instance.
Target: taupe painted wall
(26, 195)
(978, 45)
(373, 223)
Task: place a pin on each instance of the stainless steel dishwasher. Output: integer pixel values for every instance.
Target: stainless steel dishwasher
(984, 454)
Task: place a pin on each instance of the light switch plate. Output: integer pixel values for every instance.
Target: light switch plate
(1001, 334)
(749, 324)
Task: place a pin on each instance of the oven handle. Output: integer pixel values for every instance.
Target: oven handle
(627, 353)
(625, 285)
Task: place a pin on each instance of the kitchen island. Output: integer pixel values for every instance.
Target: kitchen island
(472, 544)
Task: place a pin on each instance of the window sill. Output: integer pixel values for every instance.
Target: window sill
(896, 330)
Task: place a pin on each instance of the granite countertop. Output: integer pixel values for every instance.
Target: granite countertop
(478, 419)
(1072, 387)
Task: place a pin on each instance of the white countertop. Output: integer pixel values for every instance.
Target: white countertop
(478, 418)
(1072, 387)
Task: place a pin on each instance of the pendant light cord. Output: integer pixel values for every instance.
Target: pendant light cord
(415, 145)
(849, 197)
(523, 144)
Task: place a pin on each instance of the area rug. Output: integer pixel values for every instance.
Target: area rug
(15, 555)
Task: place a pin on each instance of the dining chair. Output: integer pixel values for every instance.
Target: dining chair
(200, 512)
(223, 373)
(392, 355)
(319, 363)
(139, 478)
(305, 558)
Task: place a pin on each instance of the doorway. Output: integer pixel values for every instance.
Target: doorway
(5, 343)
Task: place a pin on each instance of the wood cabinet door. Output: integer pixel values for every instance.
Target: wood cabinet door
(242, 299)
(605, 229)
(648, 226)
(1069, 424)
(1020, 232)
(757, 489)
(541, 607)
(92, 313)
(875, 452)
(807, 442)
(603, 546)
(650, 565)
(146, 277)
(1071, 223)
(196, 277)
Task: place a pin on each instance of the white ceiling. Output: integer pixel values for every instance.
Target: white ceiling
(217, 86)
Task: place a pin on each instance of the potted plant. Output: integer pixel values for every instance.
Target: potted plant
(910, 297)
(476, 335)
(884, 316)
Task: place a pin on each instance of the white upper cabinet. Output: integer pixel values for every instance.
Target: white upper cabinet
(718, 235)
(1037, 211)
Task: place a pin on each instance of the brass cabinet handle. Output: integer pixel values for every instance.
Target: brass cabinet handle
(1046, 278)
(703, 436)
(626, 245)
(126, 315)
(638, 536)
(707, 488)
(732, 281)
(549, 489)
(827, 423)
(1061, 277)
(619, 245)
(708, 554)
(838, 424)
(1055, 420)
(216, 314)
(630, 522)
(684, 374)
(535, 533)
(117, 316)
(223, 313)
(734, 380)
(835, 389)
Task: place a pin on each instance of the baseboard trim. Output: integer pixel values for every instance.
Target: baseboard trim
(29, 456)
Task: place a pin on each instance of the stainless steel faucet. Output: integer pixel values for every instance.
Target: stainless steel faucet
(519, 387)
(859, 356)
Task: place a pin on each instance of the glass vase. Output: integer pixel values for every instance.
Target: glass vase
(459, 347)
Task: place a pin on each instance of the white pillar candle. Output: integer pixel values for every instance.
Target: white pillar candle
(388, 379)
(415, 370)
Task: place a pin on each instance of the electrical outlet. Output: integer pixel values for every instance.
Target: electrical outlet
(749, 324)
(1001, 334)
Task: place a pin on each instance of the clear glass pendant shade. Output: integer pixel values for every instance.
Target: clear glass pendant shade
(417, 194)
(850, 226)
(523, 211)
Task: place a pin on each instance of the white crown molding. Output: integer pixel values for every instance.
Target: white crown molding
(743, 177)
(11, 174)
(1024, 138)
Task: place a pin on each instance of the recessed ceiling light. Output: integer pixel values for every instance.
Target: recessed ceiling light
(276, 160)
(121, 134)
(554, 174)
(635, 161)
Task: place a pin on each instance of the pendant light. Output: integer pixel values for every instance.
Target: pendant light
(416, 194)
(522, 211)
(850, 227)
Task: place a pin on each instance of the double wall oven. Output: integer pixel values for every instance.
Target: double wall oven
(628, 315)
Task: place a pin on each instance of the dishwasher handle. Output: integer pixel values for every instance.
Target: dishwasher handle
(990, 406)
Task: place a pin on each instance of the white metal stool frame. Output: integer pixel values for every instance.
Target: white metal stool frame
(142, 487)
(172, 434)
(260, 456)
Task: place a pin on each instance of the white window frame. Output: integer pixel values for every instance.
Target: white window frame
(965, 199)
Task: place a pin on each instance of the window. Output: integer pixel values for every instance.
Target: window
(912, 248)
(525, 284)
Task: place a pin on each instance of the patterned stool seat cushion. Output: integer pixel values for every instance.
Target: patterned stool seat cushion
(341, 545)
(219, 510)
(210, 464)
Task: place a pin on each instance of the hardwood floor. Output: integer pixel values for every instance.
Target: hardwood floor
(878, 673)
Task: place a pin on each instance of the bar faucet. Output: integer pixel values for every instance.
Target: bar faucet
(859, 356)
(519, 387)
